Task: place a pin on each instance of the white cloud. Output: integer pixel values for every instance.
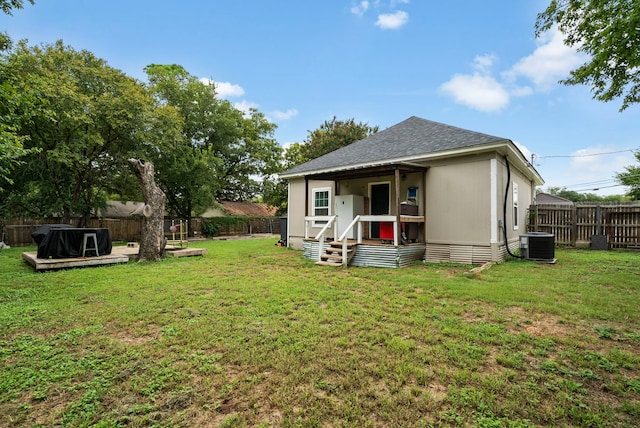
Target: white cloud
(283, 115)
(360, 8)
(594, 160)
(392, 21)
(287, 144)
(225, 89)
(228, 90)
(525, 150)
(245, 106)
(477, 91)
(591, 169)
(394, 3)
(550, 62)
(483, 63)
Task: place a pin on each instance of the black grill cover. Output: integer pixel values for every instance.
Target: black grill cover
(66, 242)
(39, 234)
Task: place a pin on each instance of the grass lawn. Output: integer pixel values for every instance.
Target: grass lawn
(254, 335)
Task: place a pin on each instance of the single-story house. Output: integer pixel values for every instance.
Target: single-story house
(548, 199)
(118, 209)
(417, 190)
(248, 209)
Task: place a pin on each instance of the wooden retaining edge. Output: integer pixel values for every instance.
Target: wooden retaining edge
(475, 272)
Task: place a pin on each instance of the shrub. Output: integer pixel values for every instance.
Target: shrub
(231, 224)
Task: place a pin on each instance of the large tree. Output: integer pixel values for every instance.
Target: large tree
(84, 117)
(330, 135)
(216, 153)
(631, 178)
(574, 196)
(152, 241)
(12, 151)
(609, 32)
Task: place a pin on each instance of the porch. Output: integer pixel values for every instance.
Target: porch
(391, 250)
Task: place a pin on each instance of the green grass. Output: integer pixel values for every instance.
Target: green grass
(254, 335)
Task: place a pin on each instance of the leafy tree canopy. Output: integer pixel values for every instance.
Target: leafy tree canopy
(8, 6)
(83, 117)
(12, 150)
(631, 177)
(204, 149)
(574, 196)
(609, 32)
(331, 135)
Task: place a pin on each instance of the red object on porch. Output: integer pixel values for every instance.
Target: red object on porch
(386, 230)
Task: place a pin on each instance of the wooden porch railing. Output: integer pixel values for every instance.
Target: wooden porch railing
(320, 236)
(358, 220)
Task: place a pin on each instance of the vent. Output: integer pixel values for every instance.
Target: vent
(538, 246)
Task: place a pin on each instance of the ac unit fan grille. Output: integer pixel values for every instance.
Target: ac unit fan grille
(538, 246)
(541, 247)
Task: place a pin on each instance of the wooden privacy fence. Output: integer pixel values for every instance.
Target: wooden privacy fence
(578, 225)
(247, 226)
(17, 232)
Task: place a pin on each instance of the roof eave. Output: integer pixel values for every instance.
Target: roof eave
(507, 147)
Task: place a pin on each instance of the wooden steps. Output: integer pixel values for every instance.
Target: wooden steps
(333, 255)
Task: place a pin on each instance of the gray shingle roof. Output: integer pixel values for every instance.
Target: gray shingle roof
(413, 137)
(545, 198)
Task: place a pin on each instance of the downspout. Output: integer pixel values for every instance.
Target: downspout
(288, 232)
(504, 210)
(398, 231)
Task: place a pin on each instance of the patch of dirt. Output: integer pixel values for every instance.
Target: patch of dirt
(517, 320)
(132, 338)
(437, 391)
(492, 366)
(536, 324)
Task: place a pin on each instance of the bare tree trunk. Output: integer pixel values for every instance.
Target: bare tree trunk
(153, 241)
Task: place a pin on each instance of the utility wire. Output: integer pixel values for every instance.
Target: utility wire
(598, 188)
(587, 155)
(597, 185)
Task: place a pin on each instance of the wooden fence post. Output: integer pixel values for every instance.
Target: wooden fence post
(574, 225)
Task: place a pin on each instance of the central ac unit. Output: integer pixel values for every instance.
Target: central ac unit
(538, 246)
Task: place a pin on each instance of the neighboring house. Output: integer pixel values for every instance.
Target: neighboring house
(117, 209)
(248, 209)
(417, 190)
(547, 199)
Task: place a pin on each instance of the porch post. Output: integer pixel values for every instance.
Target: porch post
(424, 204)
(306, 196)
(398, 228)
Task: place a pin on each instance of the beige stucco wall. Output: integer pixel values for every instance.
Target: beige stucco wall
(298, 208)
(464, 214)
(458, 203)
(525, 198)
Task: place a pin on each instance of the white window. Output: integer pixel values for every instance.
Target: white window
(321, 204)
(515, 206)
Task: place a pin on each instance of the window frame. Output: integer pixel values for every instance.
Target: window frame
(516, 211)
(314, 207)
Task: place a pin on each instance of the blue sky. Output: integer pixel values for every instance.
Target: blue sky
(475, 65)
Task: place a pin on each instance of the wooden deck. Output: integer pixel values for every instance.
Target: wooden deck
(119, 254)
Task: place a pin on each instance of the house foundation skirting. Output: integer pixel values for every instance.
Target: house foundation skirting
(466, 254)
(388, 256)
(469, 254)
